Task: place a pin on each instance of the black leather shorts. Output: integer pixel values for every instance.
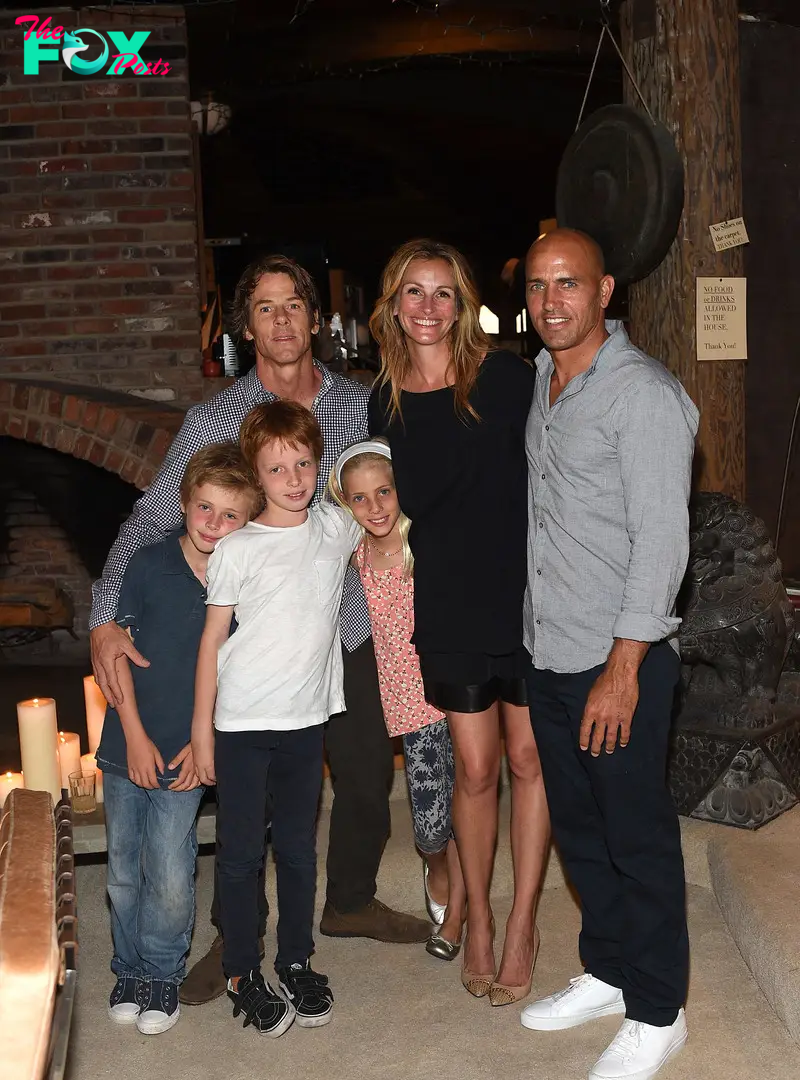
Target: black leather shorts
(473, 682)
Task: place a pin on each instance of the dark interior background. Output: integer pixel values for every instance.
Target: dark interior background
(358, 124)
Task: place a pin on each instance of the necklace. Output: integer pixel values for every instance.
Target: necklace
(385, 554)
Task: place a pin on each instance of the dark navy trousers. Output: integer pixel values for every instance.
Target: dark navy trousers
(617, 830)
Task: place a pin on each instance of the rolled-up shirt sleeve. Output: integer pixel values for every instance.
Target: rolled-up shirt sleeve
(657, 425)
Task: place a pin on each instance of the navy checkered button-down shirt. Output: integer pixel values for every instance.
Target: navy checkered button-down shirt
(341, 409)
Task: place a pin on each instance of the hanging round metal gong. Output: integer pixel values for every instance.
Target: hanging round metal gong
(621, 181)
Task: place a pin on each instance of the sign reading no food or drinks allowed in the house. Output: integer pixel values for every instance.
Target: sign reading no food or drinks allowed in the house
(721, 318)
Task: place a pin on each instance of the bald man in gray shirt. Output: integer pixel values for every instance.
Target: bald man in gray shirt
(610, 440)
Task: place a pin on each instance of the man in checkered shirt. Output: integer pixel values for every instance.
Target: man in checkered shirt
(276, 309)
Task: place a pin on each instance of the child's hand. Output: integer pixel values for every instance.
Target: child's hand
(187, 779)
(144, 761)
(202, 745)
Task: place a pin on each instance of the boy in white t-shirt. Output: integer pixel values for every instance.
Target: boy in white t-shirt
(268, 689)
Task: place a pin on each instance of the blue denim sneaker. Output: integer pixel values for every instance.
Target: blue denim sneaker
(124, 1005)
(160, 1007)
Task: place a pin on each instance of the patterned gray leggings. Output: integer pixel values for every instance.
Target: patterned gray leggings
(430, 773)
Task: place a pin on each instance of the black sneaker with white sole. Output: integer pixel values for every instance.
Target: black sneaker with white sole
(309, 992)
(160, 1007)
(268, 1012)
(124, 1004)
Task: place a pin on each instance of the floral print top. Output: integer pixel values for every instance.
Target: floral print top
(390, 599)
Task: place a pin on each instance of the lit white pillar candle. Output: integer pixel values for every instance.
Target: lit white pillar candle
(38, 745)
(89, 764)
(95, 711)
(69, 755)
(9, 781)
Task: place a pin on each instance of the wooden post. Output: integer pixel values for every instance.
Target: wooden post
(684, 55)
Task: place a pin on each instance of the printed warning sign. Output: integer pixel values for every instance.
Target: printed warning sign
(722, 318)
(728, 234)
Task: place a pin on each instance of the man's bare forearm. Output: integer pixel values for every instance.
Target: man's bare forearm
(626, 657)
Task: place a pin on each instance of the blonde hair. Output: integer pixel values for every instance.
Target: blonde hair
(468, 342)
(336, 492)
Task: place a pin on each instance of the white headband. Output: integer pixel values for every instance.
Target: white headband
(369, 446)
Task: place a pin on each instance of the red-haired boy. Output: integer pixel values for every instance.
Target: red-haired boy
(267, 690)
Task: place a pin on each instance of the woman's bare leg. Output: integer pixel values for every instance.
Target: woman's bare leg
(457, 897)
(530, 835)
(476, 748)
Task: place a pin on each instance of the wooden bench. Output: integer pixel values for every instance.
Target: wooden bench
(38, 925)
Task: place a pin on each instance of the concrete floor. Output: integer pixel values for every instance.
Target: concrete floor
(401, 1014)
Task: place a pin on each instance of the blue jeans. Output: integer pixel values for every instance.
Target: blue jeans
(152, 847)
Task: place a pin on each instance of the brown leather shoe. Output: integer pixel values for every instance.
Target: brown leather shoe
(374, 920)
(206, 980)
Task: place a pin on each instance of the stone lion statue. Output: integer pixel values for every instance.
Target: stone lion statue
(738, 623)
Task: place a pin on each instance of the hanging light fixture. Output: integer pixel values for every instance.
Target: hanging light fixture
(210, 117)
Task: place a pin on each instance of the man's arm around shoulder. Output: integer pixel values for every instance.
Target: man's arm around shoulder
(156, 513)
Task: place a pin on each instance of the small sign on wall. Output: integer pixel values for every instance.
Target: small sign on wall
(728, 234)
(722, 318)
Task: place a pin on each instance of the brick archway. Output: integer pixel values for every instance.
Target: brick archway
(126, 435)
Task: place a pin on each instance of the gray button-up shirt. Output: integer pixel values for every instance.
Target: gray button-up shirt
(608, 534)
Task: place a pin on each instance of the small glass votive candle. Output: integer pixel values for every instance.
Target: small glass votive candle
(81, 792)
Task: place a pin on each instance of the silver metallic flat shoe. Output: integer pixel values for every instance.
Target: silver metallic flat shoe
(435, 909)
(441, 948)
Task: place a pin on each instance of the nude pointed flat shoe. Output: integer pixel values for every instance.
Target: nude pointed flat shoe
(499, 994)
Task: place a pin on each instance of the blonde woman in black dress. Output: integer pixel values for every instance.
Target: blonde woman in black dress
(454, 411)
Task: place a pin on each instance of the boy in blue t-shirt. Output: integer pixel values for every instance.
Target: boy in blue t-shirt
(152, 792)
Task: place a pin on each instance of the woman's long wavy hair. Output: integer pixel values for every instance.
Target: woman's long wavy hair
(468, 342)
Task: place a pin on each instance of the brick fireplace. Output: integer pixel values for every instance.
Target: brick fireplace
(99, 274)
(86, 429)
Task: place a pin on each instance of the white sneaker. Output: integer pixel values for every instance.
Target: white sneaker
(639, 1050)
(584, 999)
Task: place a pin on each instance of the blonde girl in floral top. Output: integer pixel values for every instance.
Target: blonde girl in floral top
(363, 482)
